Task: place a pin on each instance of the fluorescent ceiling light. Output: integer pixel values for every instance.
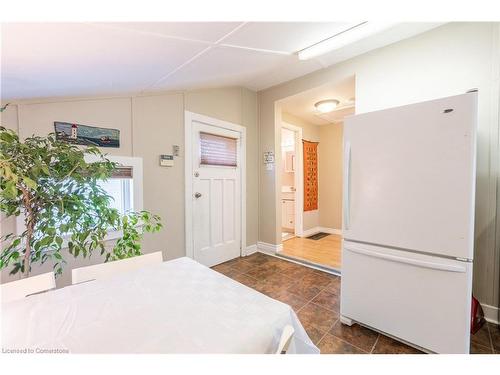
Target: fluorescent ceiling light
(355, 33)
(325, 106)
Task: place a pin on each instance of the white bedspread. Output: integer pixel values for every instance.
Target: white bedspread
(178, 306)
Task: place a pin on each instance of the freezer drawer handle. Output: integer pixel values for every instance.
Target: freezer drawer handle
(414, 262)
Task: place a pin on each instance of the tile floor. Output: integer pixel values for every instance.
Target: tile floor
(315, 297)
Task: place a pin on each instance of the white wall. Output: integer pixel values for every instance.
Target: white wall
(330, 176)
(149, 126)
(444, 61)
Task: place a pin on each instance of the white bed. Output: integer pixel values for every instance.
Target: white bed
(178, 306)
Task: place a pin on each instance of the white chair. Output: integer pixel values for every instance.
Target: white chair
(285, 340)
(20, 289)
(105, 270)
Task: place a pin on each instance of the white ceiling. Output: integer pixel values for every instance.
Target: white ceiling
(302, 105)
(73, 59)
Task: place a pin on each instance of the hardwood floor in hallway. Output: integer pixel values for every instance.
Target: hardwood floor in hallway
(325, 251)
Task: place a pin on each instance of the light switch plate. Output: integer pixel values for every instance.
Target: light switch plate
(176, 150)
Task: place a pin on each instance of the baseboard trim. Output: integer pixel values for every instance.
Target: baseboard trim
(250, 250)
(491, 313)
(269, 248)
(312, 231)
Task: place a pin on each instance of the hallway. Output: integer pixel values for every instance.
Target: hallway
(325, 251)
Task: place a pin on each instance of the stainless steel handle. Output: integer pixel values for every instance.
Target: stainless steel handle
(197, 195)
(413, 262)
(347, 186)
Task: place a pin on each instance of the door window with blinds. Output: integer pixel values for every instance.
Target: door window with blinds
(120, 187)
(218, 150)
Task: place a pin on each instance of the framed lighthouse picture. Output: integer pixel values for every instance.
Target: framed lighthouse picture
(87, 135)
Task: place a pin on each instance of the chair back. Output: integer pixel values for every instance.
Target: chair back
(105, 270)
(285, 340)
(20, 289)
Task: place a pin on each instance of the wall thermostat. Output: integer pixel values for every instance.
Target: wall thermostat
(166, 160)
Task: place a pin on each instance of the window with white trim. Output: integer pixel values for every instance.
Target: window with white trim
(125, 187)
(120, 186)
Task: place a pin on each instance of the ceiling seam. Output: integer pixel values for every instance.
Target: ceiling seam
(177, 69)
(218, 41)
(184, 39)
(276, 52)
(193, 58)
(149, 33)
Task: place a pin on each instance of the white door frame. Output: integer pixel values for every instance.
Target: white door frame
(189, 117)
(299, 178)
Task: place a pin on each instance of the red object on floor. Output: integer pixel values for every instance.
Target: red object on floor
(476, 317)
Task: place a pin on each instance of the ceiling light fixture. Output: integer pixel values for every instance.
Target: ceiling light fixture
(355, 33)
(328, 105)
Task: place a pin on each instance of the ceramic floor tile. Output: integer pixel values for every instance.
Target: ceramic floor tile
(295, 302)
(356, 335)
(226, 270)
(317, 317)
(221, 267)
(495, 335)
(279, 279)
(261, 272)
(298, 273)
(333, 345)
(479, 349)
(482, 337)
(319, 280)
(315, 296)
(303, 290)
(257, 258)
(270, 289)
(386, 345)
(314, 333)
(328, 300)
(241, 265)
(280, 265)
(334, 286)
(245, 280)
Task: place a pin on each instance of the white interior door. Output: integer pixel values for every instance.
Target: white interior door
(216, 193)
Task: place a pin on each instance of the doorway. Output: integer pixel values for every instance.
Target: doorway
(215, 197)
(291, 170)
(319, 115)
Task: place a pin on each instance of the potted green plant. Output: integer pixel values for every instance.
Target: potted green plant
(57, 191)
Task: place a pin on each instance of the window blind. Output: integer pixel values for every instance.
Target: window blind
(218, 150)
(122, 172)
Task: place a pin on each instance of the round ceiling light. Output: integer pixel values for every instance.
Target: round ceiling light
(327, 105)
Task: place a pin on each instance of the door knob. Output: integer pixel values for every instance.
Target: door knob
(197, 195)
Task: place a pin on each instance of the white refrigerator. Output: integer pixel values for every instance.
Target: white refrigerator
(408, 221)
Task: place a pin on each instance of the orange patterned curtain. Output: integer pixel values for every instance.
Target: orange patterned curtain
(310, 175)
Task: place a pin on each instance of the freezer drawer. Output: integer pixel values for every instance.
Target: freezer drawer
(421, 299)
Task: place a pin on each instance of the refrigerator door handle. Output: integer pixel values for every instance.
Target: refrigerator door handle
(413, 262)
(347, 186)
